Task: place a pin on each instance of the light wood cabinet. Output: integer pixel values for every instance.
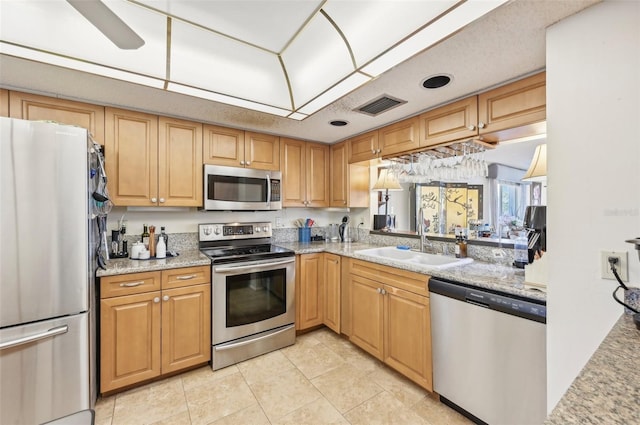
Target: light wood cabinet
(305, 173)
(41, 108)
(309, 291)
(451, 122)
(400, 137)
(153, 323)
(153, 161)
(238, 148)
(4, 103)
(332, 291)
(364, 147)
(514, 110)
(349, 182)
(390, 318)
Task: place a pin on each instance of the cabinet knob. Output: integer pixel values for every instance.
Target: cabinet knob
(156, 300)
(165, 298)
(379, 290)
(344, 202)
(241, 162)
(471, 127)
(379, 150)
(481, 125)
(247, 163)
(161, 200)
(373, 151)
(384, 292)
(154, 200)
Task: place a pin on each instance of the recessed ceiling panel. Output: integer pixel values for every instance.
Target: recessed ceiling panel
(373, 26)
(316, 60)
(206, 60)
(56, 27)
(268, 24)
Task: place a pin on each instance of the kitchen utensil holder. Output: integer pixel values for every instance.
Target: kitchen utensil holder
(304, 234)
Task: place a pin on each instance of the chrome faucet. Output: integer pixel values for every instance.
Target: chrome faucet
(423, 237)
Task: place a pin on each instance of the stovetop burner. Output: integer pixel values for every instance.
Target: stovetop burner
(235, 242)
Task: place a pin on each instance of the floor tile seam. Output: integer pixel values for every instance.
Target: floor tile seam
(255, 396)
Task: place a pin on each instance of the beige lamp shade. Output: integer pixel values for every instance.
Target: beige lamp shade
(387, 181)
(538, 168)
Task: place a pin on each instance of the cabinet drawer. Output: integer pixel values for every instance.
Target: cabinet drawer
(187, 276)
(403, 279)
(128, 284)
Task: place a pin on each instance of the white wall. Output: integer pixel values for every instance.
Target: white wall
(593, 125)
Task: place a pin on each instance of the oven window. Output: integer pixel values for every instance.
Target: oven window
(236, 189)
(255, 297)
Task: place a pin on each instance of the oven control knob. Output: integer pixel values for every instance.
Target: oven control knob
(257, 230)
(206, 230)
(216, 230)
(265, 229)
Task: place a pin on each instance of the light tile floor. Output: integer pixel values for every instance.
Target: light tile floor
(322, 379)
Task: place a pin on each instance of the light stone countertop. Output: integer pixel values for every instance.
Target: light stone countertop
(188, 258)
(479, 274)
(607, 390)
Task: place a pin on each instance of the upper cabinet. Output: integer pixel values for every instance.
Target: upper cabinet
(364, 147)
(513, 110)
(152, 161)
(237, 148)
(454, 121)
(305, 173)
(349, 182)
(41, 108)
(400, 137)
(4, 103)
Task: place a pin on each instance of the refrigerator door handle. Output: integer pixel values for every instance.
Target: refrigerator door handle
(32, 338)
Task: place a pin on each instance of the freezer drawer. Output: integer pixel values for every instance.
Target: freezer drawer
(44, 370)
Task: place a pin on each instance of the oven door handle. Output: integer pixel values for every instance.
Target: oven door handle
(252, 265)
(268, 191)
(232, 345)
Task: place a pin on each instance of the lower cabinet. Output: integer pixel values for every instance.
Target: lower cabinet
(390, 318)
(153, 323)
(318, 291)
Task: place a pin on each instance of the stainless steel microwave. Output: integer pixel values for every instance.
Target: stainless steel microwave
(237, 189)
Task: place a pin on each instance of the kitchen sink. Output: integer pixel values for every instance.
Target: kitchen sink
(421, 259)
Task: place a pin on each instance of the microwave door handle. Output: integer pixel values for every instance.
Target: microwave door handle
(251, 266)
(268, 191)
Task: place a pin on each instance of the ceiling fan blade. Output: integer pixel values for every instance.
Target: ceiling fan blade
(108, 23)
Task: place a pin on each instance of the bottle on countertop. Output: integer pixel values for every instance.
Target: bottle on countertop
(161, 248)
(145, 236)
(152, 241)
(164, 236)
(461, 244)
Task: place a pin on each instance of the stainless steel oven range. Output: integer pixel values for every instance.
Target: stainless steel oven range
(253, 281)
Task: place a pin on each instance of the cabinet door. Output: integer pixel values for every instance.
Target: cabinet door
(4, 103)
(41, 108)
(179, 163)
(293, 173)
(185, 276)
(317, 174)
(262, 151)
(363, 147)
(408, 335)
(223, 146)
(451, 122)
(511, 106)
(367, 315)
(332, 291)
(129, 340)
(399, 137)
(186, 327)
(339, 175)
(309, 291)
(131, 156)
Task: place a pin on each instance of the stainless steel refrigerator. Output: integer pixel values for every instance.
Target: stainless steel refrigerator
(48, 241)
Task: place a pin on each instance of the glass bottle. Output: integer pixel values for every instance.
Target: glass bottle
(521, 252)
(145, 236)
(164, 236)
(152, 241)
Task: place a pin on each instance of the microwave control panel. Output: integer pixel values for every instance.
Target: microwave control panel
(230, 231)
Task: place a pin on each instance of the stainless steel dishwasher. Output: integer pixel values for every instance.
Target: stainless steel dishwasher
(489, 354)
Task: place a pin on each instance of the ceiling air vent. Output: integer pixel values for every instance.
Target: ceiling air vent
(380, 105)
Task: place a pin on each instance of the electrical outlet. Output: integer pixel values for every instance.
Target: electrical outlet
(498, 253)
(621, 265)
(278, 221)
(361, 220)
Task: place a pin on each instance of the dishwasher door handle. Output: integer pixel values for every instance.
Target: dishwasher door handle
(479, 304)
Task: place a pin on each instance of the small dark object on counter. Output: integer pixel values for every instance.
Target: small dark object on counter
(636, 319)
(317, 238)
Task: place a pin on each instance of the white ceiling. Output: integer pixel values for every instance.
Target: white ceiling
(505, 44)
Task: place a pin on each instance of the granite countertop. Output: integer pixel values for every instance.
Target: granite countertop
(480, 274)
(607, 390)
(188, 258)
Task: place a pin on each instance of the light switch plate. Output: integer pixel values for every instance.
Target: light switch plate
(621, 266)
